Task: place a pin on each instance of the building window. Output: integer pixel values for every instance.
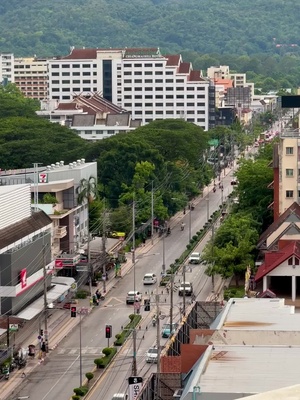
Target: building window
(148, 96)
(190, 104)
(190, 112)
(159, 112)
(138, 104)
(55, 90)
(137, 65)
(148, 80)
(139, 89)
(138, 112)
(55, 73)
(138, 96)
(127, 72)
(127, 89)
(169, 112)
(66, 97)
(87, 89)
(159, 104)
(169, 88)
(53, 83)
(200, 96)
(190, 96)
(200, 119)
(169, 96)
(76, 89)
(55, 66)
(127, 80)
(127, 105)
(138, 81)
(76, 81)
(148, 112)
(200, 88)
(290, 261)
(86, 81)
(159, 96)
(65, 81)
(190, 88)
(180, 105)
(148, 65)
(200, 104)
(86, 73)
(158, 65)
(289, 194)
(137, 72)
(297, 261)
(179, 96)
(158, 89)
(158, 80)
(127, 96)
(76, 65)
(65, 74)
(158, 73)
(169, 80)
(149, 89)
(148, 104)
(289, 172)
(86, 66)
(169, 72)
(65, 66)
(66, 89)
(127, 65)
(289, 151)
(169, 104)
(179, 80)
(148, 73)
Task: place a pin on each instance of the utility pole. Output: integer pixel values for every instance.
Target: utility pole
(190, 222)
(90, 267)
(80, 351)
(45, 300)
(207, 206)
(158, 346)
(134, 363)
(183, 307)
(104, 248)
(171, 301)
(212, 253)
(152, 212)
(163, 270)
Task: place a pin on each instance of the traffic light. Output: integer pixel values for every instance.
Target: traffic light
(73, 312)
(108, 331)
(41, 332)
(146, 305)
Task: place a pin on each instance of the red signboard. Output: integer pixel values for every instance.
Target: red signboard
(58, 264)
(23, 278)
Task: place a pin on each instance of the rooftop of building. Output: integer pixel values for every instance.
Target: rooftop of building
(127, 52)
(248, 369)
(286, 393)
(60, 166)
(258, 315)
(10, 188)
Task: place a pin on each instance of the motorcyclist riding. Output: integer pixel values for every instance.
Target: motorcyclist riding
(182, 226)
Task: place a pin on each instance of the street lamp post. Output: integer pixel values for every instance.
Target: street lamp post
(134, 361)
(190, 222)
(207, 207)
(164, 255)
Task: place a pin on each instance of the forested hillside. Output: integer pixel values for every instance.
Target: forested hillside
(48, 28)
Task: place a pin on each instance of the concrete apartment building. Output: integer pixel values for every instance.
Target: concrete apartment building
(25, 249)
(6, 68)
(142, 81)
(31, 77)
(286, 167)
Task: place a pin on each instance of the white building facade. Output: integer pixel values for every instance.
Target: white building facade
(6, 68)
(142, 81)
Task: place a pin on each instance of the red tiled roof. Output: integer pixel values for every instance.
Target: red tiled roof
(81, 54)
(294, 208)
(274, 259)
(173, 60)
(67, 106)
(195, 76)
(184, 68)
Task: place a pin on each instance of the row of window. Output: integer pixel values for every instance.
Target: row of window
(84, 73)
(75, 81)
(168, 96)
(145, 65)
(55, 66)
(75, 89)
(157, 88)
(167, 112)
(162, 104)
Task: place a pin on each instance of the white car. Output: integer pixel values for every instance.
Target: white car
(195, 258)
(185, 288)
(133, 296)
(152, 355)
(149, 279)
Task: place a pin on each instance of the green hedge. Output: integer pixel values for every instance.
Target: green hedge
(104, 361)
(121, 337)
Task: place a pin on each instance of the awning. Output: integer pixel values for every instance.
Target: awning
(38, 305)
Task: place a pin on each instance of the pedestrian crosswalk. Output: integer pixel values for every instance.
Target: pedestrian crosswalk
(84, 351)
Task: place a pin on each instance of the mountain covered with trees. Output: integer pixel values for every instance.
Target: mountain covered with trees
(206, 26)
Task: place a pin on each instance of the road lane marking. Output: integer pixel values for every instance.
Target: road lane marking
(61, 377)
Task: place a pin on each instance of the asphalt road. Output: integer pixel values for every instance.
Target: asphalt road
(57, 377)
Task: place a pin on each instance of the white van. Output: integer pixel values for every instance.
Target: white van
(120, 396)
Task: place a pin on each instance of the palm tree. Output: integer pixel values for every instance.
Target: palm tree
(87, 190)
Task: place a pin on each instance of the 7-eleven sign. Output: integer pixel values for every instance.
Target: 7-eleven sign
(43, 178)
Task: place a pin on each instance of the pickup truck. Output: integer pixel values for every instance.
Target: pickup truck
(195, 258)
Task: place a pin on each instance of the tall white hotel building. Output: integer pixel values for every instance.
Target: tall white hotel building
(149, 85)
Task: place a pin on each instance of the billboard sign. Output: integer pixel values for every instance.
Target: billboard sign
(135, 386)
(23, 278)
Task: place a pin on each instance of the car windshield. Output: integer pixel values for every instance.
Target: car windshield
(148, 277)
(152, 351)
(167, 326)
(186, 284)
(195, 254)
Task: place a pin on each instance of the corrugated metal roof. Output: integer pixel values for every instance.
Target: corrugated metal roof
(259, 315)
(247, 369)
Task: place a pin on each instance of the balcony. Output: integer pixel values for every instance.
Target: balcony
(60, 232)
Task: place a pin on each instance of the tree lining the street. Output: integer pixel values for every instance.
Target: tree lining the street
(233, 247)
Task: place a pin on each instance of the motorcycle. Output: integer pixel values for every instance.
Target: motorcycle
(182, 227)
(154, 321)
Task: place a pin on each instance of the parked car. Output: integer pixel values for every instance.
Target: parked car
(167, 331)
(186, 287)
(133, 296)
(152, 355)
(149, 279)
(195, 258)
